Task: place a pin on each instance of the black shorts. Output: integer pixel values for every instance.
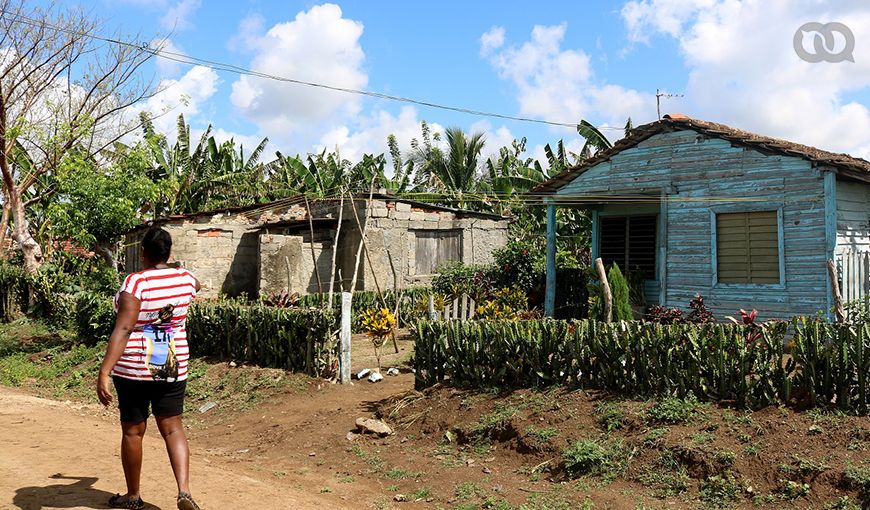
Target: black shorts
(135, 397)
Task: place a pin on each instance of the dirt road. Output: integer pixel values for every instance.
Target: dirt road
(65, 455)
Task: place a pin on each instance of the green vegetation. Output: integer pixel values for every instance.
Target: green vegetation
(608, 458)
(609, 416)
(619, 288)
(720, 491)
(673, 410)
(666, 476)
(706, 361)
(792, 490)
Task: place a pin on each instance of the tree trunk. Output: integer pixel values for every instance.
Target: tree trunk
(106, 250)
(4, 225)
(21, 233)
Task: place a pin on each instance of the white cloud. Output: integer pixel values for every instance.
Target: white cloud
(187, 95)
(178, 16)
(167, 68)
(560, 85)
(319, 46)
(370, 135)
(249, 142)
(249, 33)
(743, 69)
(495, 138)
(491, 40)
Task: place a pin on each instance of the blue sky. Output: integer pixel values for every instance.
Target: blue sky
(561, 61)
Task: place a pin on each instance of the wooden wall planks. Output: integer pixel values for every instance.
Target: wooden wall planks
(701, 174)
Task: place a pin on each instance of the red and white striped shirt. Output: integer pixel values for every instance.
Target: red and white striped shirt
(155, 289)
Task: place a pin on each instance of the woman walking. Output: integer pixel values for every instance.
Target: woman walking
(146, 360)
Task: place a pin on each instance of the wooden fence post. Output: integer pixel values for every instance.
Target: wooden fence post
(605, 286)
(344, 358)
(839, 312)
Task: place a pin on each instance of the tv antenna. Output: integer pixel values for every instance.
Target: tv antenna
(659, 96)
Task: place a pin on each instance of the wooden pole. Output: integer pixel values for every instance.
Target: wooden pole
(335, 250)
(605, 286)
(365, 245)
(396, 294)
(550, 295)
(344, 357)
(839, 311)
(313, 256)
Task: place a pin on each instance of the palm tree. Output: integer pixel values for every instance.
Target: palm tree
(453, 171)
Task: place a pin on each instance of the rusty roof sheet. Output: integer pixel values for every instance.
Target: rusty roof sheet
(847, 165)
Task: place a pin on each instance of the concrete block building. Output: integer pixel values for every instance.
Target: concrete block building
(276, 247)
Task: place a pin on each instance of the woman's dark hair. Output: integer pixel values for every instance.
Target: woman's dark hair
(157, 243)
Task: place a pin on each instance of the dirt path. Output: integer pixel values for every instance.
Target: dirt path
(63, 455)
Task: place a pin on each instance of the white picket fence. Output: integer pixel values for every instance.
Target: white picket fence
(460, 309)
(853, 267)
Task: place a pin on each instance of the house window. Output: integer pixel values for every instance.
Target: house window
(436, 247)
(747, 247)
(630, 243)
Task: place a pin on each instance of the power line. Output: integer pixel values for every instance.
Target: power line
(231, 68)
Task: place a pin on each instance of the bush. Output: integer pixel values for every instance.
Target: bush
(829, 364)
(520, 264)
(297, 339)
(619, 288)
(13, 290)
(410, 310)
(456, 278)
(588, 457)
(94, 317)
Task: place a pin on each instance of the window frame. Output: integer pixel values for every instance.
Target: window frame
(780, 243)
(657, 255)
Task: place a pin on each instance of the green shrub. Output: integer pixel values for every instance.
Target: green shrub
(520, 264)
(409, 310)
(297, 339)
(720, 491)
(673, 410)
(830, 362)
(13, 288)
(94, 317)
(608, 458)
(710, 361)
(456, 278)
(619, 289)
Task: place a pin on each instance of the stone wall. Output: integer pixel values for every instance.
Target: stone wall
(220, 251)
(232, 255)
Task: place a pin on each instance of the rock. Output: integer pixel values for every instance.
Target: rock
(393, 371)
(312, 454)
(376, 377)
(351, 436)
(399, 498)
(362, 373)
(232, 364)
(450, 436)
(371, 426)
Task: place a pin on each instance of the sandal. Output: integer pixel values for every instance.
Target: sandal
(185, 502)
(119, 501)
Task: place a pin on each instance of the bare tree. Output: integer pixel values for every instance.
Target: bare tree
(61, 90)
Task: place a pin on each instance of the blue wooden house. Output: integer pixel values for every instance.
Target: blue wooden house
(747, 221)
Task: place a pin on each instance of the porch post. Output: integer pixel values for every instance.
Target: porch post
(550, 296)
